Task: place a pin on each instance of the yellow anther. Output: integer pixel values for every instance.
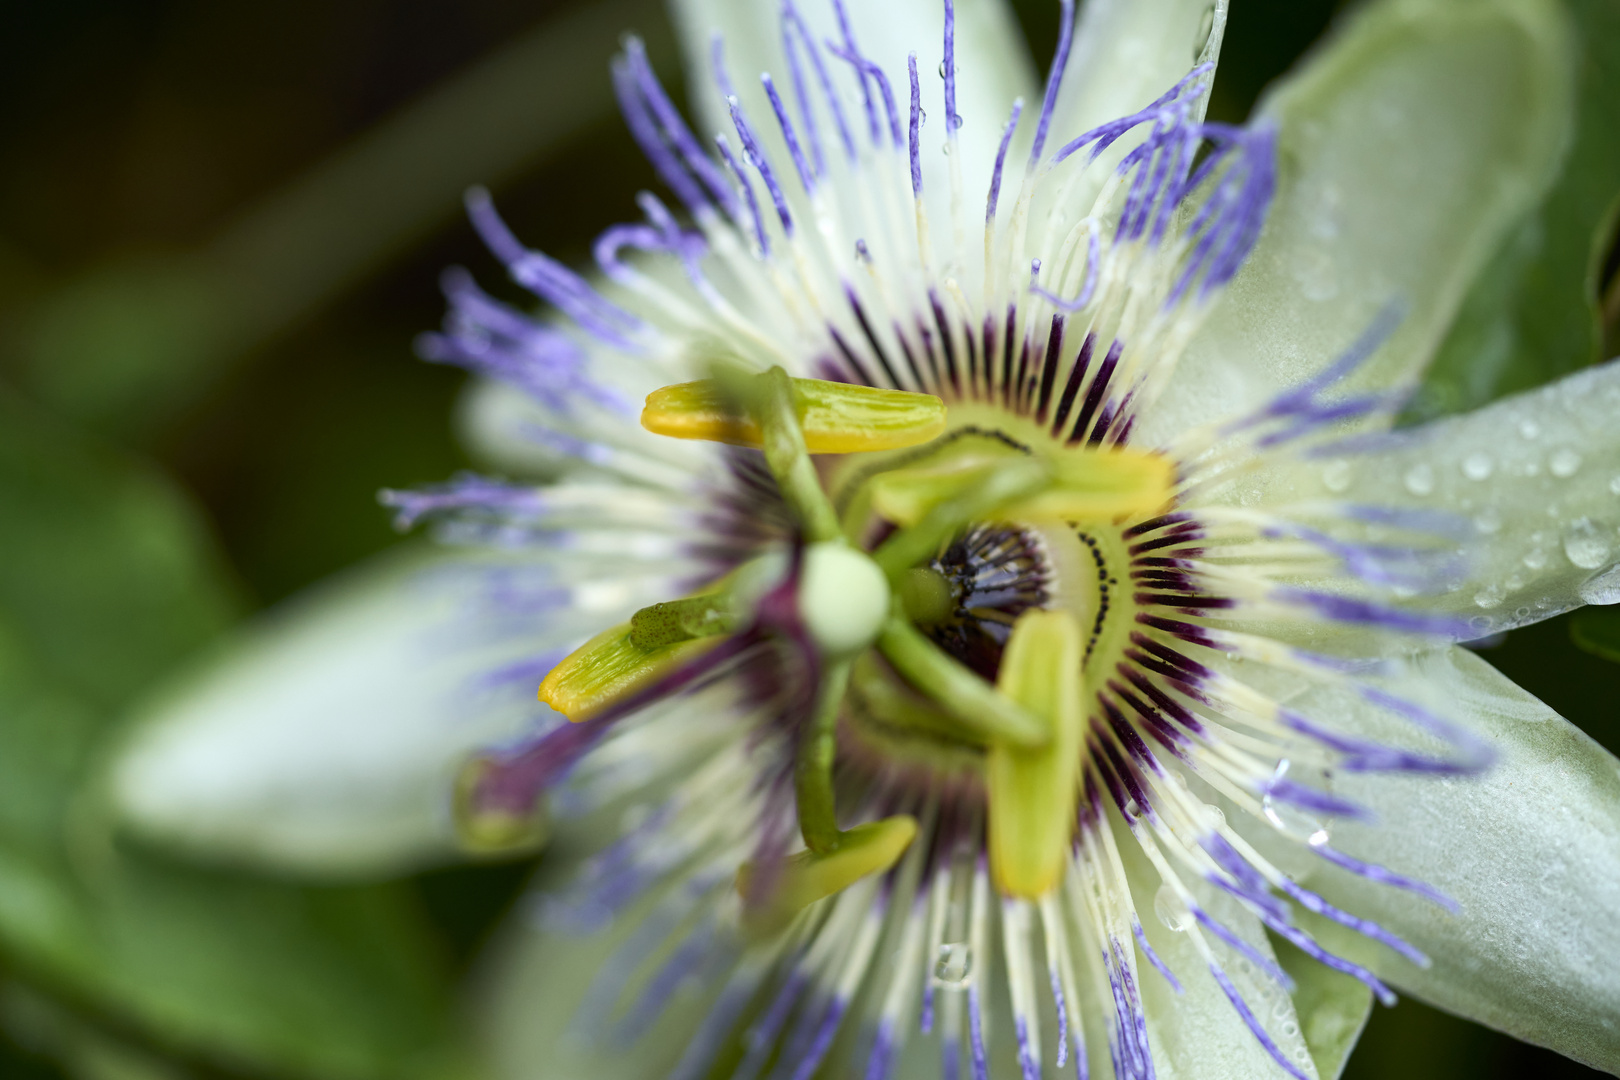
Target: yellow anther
(807, 877)
(905, 495)
(1103, 485)
(1033, 793)
(609, 668)
(837, 418)
(1087, 484)
(494, 832)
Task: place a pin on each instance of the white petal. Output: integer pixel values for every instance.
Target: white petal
(1405, 149)
(992, 66)
(1531, 850)
(530, 1020)
(1197, 1034)
(1333, 1009)
(1128, 52)
(1533, 482)
(324, 741)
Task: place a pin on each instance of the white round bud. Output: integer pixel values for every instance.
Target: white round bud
(843, 598)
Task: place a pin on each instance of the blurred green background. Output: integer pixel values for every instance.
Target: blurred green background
(221, 226)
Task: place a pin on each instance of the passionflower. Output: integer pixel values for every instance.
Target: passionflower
(1017, 639)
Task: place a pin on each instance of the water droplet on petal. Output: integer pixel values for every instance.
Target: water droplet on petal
(1170, 910)
(1564, 463)
(1488, 520)
(1603, 589)
(1489, 596)
(1529, 429)
(1587, 544)
(1614, 485)
(953, 967)
(1535, 558)
(1419, 479)
(1336, 475)
(1478, 466)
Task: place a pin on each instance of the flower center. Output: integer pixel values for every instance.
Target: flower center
(947, 584)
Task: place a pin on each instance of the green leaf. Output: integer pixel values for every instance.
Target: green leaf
(1533, 314)
(1332, 1007)
(1597, 630)
(106, 579)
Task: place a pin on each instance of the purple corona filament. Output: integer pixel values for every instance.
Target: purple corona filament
(1054, 81)
(916, 127)
(762, 165)
(1001, 161)
(807, 175)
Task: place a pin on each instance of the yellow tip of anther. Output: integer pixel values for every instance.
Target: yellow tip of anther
(836, 418)
(807, 877)
(609, 668)
(1033, 793)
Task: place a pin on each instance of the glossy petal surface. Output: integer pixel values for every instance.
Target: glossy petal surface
(325, 741)
(1531, 850)
(1405, 150)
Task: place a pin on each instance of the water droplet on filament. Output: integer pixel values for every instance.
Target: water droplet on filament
(953, 969)
(1170, 910)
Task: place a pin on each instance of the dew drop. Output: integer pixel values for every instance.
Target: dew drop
(1170, 910)
(953, 968)
(1603, 589)
(1489, 596)
(1586, 544)
(1294, 822)
(1535, 558)
(1336, 475)
(1564, 463)
(1529, 429)
(942, 69)
(1478, 466)
(1488, 520)
(1214, 817)
(1132, 808)
(1419, 479)
(1614, 485)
